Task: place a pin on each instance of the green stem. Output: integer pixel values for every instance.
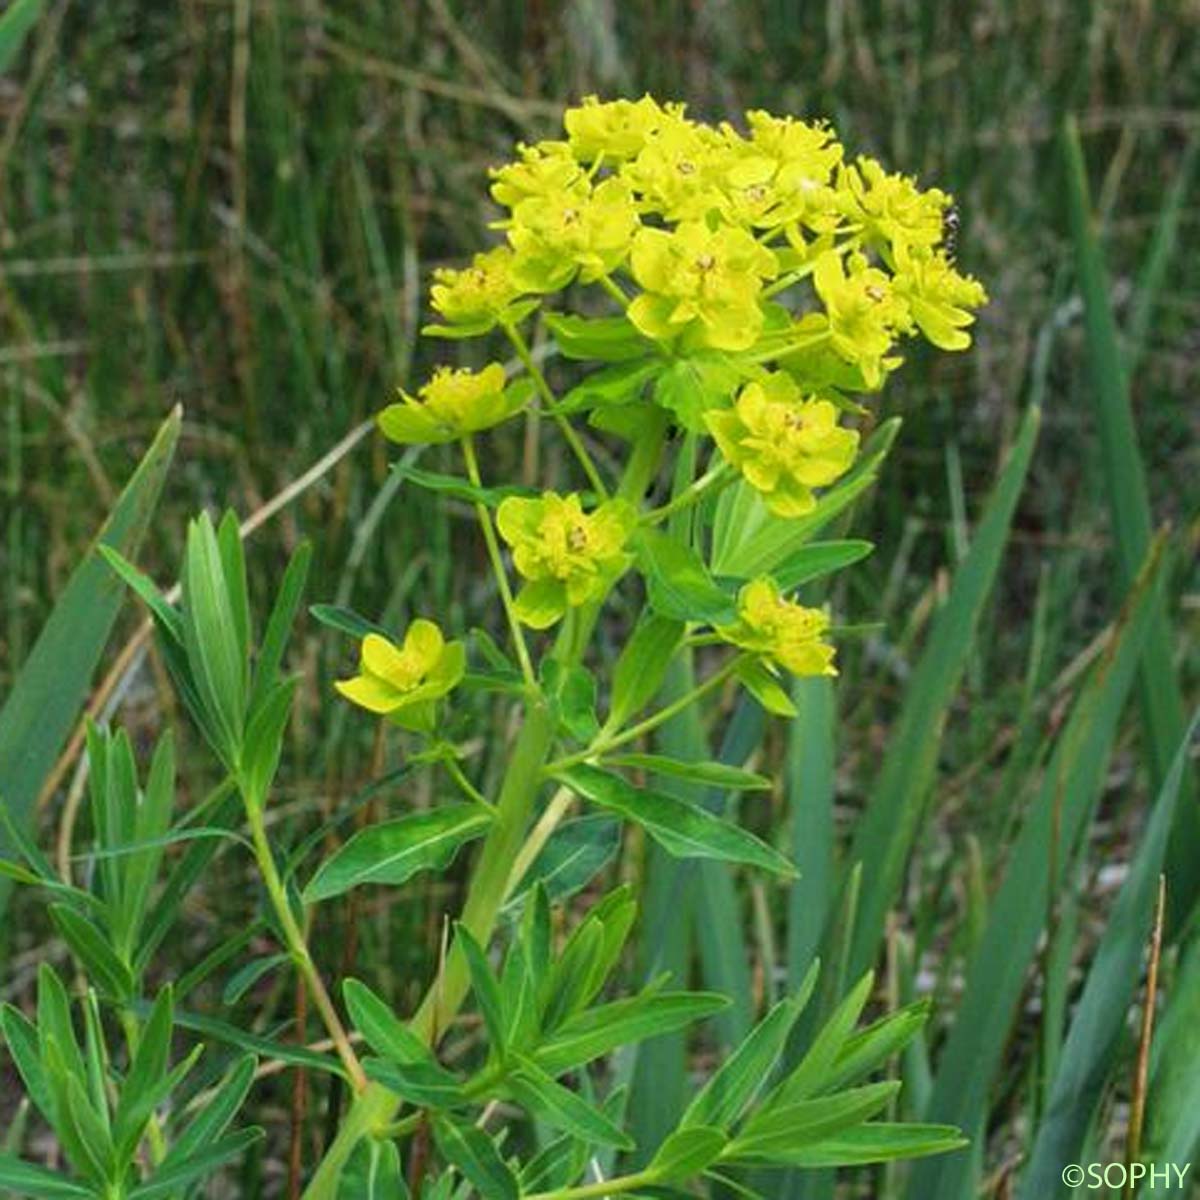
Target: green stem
(602, 1187)
(468, 788)
(613, 288)
(375, 1108)
(297, 947)
(602, 745)
(712, 481)
(551, 402)
(493, 549)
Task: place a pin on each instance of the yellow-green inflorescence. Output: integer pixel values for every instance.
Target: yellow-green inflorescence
(759, 261)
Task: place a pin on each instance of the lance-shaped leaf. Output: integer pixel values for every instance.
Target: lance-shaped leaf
(682, 829)
(475, 1155)
(678, 584)
(393, 851)
(562, 1108)
(26, 1180)
(686, 1153)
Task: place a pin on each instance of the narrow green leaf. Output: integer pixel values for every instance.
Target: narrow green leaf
(264, 741)
(599, 1030)
(393, 851)
(247, 975)
(34, 1182)
(715, 774)
(373, 1172)
(575, 855)
(149, 1065)
(642, 666)
(50, 686)
(682, 829)
(874, 1142)
(779, 1129)
(486, 989)
(385, 1033)
(562, 1108)
(279, 625)
(475, 1155)
(745, 1072)
(345, 620)
(817, 559)
(96, 956)
(887, 829)
(686, 1153)
(176, 1174)
(870, 1049)
(21, 1037)
(15, 23)
(214, 1118)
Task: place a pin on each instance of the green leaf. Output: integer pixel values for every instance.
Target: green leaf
(1127, 492)
(214, 1118)
(425, 1084)
(870, 1049)
(51, 685)
(15, 23)
(617, 384)
(461, 489)
(590, 1034)
(279, 625)
(678, 584)
(577, 852)
(686, 1153)
(486, 988)
(264, 741)
(682, 829)
(174, 1174)
(27, 1180)
(639, 671)
(780, 1128)
(139, 1091)
(346, 620)
(603, 339)
(765, 688)
(815, 1072)
(373, 1172)
(875, 1142)
(21, 1037)
(562, 1108)
(817, 559)
(97, 957)
(888, 827)
(1101, 1013)
(745, 1072)
(384, 1032)
(222, 1031)
(247, 975)
(475, 1155)
(997, 973)
(573, 691)
(393, 851)
(715, 774)
(690, 386)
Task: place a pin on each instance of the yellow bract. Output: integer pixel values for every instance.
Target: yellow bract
(454, 403)
(615, 130)
(782, 632)
(783, 444)
(478, 294)
(404, 682)
(700, 279)
(567, 556)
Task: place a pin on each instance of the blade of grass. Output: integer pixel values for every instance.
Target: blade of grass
(893, 816)
(52, 683)
(1037, 866)
(1126, 489)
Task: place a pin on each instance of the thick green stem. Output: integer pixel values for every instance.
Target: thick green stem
(374, 1108)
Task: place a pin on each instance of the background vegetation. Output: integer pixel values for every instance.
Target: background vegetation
(235, 206)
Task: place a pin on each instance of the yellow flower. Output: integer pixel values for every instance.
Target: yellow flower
(892, 211)
(479, 294)
(784, 633)
(403, 683)
(454, 403)
(939, 298)
(566, 555)
(542, 169)
(784, 445)
(615, 130)
(864, 312)
(676, 172)
(571, 230)
(700, 280)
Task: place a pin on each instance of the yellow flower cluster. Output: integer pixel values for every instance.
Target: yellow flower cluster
(782, 632)
(453, 404)
(566, 556)
(709, 222)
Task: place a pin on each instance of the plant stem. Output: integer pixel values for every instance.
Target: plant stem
(602, 745)
(613, 288)
(712, 481)
(602, 1187)
(297, 947)
(493, 549)
(551, 402)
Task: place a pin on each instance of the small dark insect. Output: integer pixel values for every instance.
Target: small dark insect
(950, 221)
